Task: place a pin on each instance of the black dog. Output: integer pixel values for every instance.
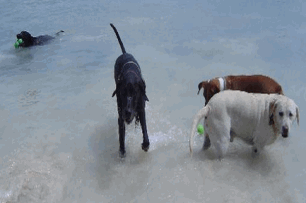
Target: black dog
(131, 95)
(29, 40)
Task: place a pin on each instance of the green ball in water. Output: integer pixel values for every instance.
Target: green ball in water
(18, 42)
(200, 129)
(16, 45)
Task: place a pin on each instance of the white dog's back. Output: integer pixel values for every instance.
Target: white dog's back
(243, 109)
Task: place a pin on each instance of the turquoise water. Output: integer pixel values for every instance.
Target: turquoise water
(58, 129)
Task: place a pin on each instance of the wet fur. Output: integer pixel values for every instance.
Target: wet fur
(29, 40)
(257, 119)
(131, 95)
(247, 83)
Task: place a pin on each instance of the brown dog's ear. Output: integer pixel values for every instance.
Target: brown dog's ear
(272, 108)
(297, 115)
(202, 85)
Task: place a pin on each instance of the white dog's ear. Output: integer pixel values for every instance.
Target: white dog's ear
(297, 115)
(272, 108)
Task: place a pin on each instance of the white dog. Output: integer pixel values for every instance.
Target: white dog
(257, 119)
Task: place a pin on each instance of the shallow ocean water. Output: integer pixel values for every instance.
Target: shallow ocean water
(58, 129)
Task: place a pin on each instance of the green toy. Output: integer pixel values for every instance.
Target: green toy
(200, 129)
(18, 42)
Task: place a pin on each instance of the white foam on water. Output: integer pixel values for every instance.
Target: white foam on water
(38, 177)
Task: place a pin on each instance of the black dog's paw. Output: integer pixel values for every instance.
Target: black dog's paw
(122, 153)
(145, 146)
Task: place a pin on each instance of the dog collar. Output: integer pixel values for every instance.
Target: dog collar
(132, 62)
(126, 71)
(222, 84)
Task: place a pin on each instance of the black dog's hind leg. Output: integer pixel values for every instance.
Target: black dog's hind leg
(142, 118)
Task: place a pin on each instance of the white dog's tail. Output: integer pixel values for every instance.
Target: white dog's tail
(201, 114)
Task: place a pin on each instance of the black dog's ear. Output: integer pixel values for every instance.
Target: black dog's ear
(145, 97)
(115, 92)
(117, 88)
(26, 35)
(142, 86)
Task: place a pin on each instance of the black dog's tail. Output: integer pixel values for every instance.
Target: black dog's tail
(119, 39)
(59, 32)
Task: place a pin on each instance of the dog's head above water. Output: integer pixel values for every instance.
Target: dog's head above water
(283, 112)
(131, 96)
(211, 87)
(26, 38)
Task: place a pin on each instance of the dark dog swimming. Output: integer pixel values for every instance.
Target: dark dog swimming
(131, 95)
(28, 40)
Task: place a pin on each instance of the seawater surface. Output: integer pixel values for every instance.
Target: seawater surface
(59, 131)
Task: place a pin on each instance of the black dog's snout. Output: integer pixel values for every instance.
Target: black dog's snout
(129, 103)
(128, 114)
(18, 36)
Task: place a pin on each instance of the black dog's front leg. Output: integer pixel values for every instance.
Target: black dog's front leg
(121, 136)
(142, 118)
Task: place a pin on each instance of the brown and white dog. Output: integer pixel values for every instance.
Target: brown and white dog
(247, 83)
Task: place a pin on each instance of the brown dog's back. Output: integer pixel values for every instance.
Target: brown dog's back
(247, 83)
(254, 84)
